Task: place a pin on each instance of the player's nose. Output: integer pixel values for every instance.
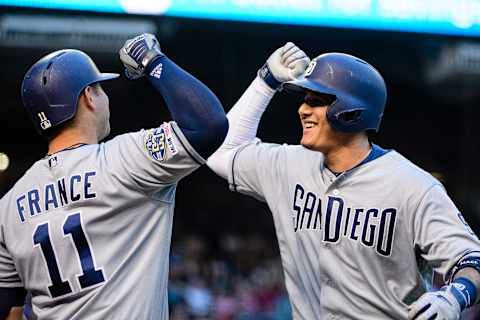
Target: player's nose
(304, 110)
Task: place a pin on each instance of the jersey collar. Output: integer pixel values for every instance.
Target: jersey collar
(375, 153)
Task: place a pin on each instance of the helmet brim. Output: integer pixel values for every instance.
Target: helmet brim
(303, 85)
(108, 76)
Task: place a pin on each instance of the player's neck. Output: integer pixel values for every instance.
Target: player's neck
(70, 137)
(347, 156)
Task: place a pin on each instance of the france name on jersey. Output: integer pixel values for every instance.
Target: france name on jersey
(87, 230)
(353, 246)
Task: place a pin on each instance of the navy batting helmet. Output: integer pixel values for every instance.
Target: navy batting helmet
(52, 86)
(359, 90)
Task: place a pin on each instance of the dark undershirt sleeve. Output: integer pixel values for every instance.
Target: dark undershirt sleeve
(9, 298)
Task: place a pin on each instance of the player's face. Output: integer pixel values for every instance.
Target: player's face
(317, 133)
(102, 103)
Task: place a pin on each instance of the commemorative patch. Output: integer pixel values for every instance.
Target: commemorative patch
(169, 139)
(154, 143)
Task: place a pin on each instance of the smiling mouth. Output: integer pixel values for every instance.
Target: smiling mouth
(308, 125)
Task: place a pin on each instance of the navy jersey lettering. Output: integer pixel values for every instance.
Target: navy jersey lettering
(62, 191)
(356, 223)
(384, 245)
(88, 185)
(369, 237)
(50, 197)
(371, 227)
(56, 194)
(33, 199)
(328, 236)
(309, 207)
(299, 191)
(74, 180)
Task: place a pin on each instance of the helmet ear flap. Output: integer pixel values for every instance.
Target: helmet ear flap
(350, 117)
(345, 119)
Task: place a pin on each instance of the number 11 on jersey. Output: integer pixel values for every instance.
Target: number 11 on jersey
(71, 227)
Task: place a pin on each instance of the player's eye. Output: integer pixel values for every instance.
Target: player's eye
(319, 100)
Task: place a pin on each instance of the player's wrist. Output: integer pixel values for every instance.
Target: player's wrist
(260, 86)
(150, 57)
(464, 291)
(155, 66)
(267, 76)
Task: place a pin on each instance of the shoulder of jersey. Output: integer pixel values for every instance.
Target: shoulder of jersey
(406, 170)
(298, 148)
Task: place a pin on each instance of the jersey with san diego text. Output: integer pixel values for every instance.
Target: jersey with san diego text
(87, 230)
(353, 246)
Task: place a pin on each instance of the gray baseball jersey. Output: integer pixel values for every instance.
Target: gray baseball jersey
(87, 230)
(353, 246)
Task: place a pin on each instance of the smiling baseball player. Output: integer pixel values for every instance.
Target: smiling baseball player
(87, 229)
(356, 224)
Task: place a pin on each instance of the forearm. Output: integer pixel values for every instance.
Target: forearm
(194, 107)
(473, 276)
(16, 313)
(245, 115)
(244, 118)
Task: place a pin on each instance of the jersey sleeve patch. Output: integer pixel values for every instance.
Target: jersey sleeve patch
(154, 143)
(160, 142)
(170, 139)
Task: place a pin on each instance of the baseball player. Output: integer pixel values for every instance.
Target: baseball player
(356, 224)
(87, 229)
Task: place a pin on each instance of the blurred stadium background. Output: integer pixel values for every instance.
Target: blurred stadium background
(225, 260)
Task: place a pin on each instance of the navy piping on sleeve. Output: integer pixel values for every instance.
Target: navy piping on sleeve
(233, 165)
(184, 147)
(233, 171)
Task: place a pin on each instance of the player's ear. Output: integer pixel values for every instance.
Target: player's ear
(88, 96)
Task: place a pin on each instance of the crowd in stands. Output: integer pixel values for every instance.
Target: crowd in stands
(242, 280)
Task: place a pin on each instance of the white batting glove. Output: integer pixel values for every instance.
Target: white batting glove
(285, 64)
(439, 305)
(137, 53)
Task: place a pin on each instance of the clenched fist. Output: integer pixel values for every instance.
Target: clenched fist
(284, 64)
(137, 53)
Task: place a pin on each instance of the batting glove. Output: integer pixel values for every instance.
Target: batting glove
(446, 304)
(285, 64)
(137, 53)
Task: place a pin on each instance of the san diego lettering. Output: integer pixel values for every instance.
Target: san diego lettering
(372, 227)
